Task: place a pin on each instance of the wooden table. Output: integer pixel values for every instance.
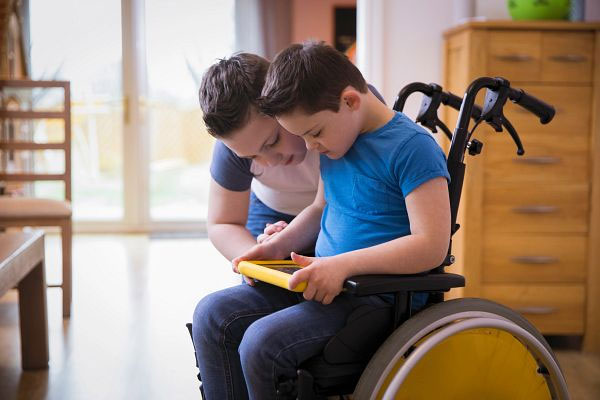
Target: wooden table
(22, 265)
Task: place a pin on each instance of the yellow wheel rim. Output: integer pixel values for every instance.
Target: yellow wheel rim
(482, 363)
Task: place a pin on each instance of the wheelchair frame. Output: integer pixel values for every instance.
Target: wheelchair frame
(411, 339)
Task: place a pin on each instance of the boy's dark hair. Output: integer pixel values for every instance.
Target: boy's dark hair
(312, 76)
(229, 90)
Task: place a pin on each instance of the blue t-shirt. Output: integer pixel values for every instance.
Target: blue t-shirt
(365, 190)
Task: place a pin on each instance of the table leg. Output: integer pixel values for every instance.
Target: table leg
(34, 319)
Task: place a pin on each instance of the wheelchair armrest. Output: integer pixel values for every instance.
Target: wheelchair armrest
(365, 285)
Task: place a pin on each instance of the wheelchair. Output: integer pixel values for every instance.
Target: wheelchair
(463, 348)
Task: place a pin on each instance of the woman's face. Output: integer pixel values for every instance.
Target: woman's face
(262, 139)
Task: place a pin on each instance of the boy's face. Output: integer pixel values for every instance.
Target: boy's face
(330, 133)
(262, 139)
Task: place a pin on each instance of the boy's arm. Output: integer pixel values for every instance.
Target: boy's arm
(226, 222)
(425, 248)
(299, 235)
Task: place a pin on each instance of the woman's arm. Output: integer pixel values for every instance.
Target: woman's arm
(226, 222)
(299, 235)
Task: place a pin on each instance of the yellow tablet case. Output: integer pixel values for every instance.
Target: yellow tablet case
(271, 271)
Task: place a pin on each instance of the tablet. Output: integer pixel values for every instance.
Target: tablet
(275, 272)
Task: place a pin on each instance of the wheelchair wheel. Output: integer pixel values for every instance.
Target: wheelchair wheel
(464, 349)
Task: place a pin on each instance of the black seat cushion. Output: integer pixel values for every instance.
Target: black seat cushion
(346, 355)
(366, 328)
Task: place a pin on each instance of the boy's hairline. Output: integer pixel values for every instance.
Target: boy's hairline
(304, 110)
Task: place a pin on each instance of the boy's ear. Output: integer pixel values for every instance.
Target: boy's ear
(350, 98)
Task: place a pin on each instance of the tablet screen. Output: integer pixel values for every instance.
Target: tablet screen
(288, 269)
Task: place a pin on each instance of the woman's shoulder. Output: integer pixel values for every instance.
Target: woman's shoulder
(229, 170)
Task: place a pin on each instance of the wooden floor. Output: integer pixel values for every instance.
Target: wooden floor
(126, 338)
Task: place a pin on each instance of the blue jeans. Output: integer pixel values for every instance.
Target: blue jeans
(248, 338)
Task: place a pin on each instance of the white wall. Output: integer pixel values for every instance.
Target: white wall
(492, 9)
(592, 10)
(401, 42)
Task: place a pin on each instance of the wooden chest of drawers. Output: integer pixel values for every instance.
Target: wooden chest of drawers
(530, 233)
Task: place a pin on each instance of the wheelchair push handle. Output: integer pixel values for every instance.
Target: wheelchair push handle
(543, 110)
(409, 89)
(498, 92)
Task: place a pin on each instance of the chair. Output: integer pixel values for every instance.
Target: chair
(349, 362)
(21, 211)
(395, 353)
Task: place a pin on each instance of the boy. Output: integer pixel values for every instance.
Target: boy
(382, 205)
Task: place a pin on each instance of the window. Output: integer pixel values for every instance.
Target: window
(144, 166)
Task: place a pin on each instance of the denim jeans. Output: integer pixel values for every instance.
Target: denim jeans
(248, 338)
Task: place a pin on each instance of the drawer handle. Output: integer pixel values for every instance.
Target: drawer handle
(570, 58)
(540, 310)
(534, 260)
(540, 160)
(535, 209)
(514, 57)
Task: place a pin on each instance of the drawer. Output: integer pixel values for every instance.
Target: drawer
(534, 259)
(527, 208)
(573, 107)
(553, 309)
(546, 159)
(515, 55)
(524, 56)
(567, 57)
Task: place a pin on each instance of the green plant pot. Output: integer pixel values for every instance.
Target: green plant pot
(538, 9)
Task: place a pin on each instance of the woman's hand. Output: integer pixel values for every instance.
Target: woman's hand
(324, 277)
(264, 251)
(270, 231)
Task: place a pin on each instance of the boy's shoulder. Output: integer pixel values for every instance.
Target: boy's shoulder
(398, 143)
(399, 131)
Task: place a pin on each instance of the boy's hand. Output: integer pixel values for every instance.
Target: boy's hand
(270, 231)
(323, 277)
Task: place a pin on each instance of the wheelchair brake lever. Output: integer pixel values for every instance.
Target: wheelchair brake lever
(514, 135)
(427, 115)
(444, 128)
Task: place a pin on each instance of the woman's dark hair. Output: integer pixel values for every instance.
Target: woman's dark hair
(229, 90)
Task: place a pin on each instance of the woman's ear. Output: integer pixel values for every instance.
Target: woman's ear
(350, 98)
